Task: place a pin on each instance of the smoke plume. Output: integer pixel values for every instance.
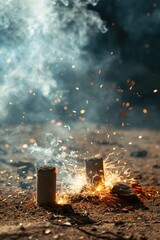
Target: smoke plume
(76, 60)
(38, 42)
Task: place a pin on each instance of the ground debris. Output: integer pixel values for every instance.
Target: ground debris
(124, 191)
(47, 231)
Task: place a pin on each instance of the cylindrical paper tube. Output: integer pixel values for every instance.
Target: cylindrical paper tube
(46, 185)
(94, 170)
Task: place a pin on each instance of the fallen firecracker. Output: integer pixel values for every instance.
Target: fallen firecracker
(46, 185)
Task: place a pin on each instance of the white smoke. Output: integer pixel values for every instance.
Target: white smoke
(54, 154)
(36, 39)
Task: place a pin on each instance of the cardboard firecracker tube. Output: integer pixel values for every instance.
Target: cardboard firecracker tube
(94, 170)
(46, 185)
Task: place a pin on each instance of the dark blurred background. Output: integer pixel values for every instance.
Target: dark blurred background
(134, 34)
(128, 56)
(111, 76)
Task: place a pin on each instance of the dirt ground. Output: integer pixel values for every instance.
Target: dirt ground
(114, 217)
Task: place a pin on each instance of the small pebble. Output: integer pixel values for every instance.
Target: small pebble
(67, 224)
(118, 223)
(47, 231)
(125, 210)
(55, 236)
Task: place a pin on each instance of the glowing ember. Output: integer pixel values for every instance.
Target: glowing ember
(155, 90)
(82, 111)
(62, 198)
(52, 121)
(59, 124)
(32, 140)
(145, 110)
(6, 145)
